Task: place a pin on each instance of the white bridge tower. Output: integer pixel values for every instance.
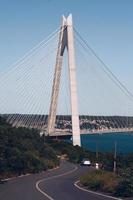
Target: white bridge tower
(66, 40)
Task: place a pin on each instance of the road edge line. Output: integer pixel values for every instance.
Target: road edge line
(42, 192)
(52, 177)
(92, 192)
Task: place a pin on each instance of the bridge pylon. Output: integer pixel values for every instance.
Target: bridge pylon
(66, 40)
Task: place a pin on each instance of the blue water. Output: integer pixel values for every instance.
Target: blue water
(105, 142)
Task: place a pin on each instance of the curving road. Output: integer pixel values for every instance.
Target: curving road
(57, 184)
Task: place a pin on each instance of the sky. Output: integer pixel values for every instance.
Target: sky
(107, 26)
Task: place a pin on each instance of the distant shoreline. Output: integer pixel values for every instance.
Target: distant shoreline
(93, 132)
(85, 132)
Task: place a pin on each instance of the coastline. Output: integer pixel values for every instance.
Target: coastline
(86, 132)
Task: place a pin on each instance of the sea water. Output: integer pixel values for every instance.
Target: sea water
(105, 142)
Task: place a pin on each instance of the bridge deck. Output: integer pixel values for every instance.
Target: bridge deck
(65, 132)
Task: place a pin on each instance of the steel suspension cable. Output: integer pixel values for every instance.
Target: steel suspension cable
(106, 69)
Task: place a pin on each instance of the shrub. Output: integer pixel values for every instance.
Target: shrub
(125, 187)
(23, 150)
(100, 180)
(74, 153)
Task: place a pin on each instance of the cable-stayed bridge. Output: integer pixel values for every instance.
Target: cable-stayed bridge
(62, 87)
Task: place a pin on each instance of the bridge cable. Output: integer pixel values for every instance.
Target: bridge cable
(106, 69)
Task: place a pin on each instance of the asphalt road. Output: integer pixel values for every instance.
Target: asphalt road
(57, 184)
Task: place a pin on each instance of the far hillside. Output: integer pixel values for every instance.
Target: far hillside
(87, 122)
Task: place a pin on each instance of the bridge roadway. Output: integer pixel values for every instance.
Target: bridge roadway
(88, 132)
(57, 184)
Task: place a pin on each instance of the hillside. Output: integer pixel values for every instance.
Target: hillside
(23, 151)
(63, 122)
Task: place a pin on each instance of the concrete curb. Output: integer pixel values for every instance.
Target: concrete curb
(95, 193)
(24, 175)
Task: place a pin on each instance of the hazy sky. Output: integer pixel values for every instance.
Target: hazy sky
(107, 25)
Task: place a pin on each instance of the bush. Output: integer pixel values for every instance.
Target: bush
(100, 180)
(75, 154)
(23, 151)
(125, 187)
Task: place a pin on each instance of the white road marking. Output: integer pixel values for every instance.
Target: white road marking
(92, 192)
(52, 177)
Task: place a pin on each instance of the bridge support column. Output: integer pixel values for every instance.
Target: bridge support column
(66, 39)
(73, 83)
(56, 80)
